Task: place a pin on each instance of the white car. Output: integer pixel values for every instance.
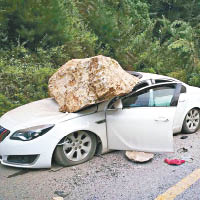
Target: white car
(143, 120)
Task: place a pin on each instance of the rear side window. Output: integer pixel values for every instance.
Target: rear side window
(162, 96)
(183, 89)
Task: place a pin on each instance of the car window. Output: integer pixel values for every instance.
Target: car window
(141, 100)
(162, 80)
(183, 89)
(137, 87)
(160, 96)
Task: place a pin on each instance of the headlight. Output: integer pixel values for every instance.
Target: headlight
(31, 133)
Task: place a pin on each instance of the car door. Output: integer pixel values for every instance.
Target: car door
(144, 123)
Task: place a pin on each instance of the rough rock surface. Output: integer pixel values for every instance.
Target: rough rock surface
(58, 198)
(82, 82)
(139, 156)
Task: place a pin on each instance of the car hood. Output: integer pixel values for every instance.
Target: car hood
(45, 111)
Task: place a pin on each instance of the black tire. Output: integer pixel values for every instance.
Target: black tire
(192, 121)
(74, 146)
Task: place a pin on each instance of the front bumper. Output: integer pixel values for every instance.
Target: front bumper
(37, 163)
(19, 160)
(36, 153)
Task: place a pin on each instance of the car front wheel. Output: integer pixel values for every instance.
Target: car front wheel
(76, 148)
(192, 121)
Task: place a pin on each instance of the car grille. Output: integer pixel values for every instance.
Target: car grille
(3, 133)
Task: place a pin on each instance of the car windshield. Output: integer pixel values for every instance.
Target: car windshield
(88, 109)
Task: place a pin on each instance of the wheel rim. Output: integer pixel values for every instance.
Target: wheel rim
(77, 145)
(192, 119)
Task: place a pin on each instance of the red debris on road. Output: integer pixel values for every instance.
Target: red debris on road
(174, 161)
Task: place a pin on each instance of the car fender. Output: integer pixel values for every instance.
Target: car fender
(94, 123)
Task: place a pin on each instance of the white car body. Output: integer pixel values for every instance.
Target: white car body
(187, 101)
(147, 129)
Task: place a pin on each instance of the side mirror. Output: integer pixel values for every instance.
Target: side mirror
(118, 104)
(114, 104)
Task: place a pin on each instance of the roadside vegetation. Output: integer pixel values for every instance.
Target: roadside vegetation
(38, 36)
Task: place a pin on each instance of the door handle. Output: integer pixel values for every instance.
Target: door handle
(161, 119)
(182, 100)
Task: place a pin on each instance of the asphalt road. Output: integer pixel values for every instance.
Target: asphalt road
(110, 176)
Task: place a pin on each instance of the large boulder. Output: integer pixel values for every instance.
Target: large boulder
(82, 82)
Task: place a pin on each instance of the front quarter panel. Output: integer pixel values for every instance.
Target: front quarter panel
(88, 123)
(46, 144)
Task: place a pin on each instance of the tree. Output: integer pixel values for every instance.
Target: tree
(186, 10)
(117, 24)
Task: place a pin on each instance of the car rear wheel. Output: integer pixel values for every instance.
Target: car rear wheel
(76, 148)
(192, 121)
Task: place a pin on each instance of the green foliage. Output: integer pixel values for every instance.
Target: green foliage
(6, 104)
(116, 24)
(45, 24)
(187, 10)
(20, 85)
(195, 77)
